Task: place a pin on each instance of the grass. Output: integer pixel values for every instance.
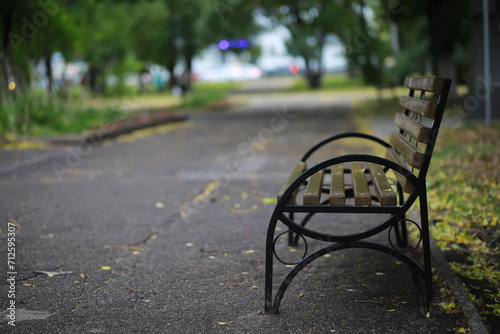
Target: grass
(38, 114)
(336, 81)
(206, 93)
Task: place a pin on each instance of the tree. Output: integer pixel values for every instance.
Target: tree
(175, 31)
(433, 35)
(32, 31)
(106, 27)
(367, 39)
(310, 24)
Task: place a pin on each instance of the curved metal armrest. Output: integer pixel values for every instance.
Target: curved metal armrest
(348, 158)
(344, 135)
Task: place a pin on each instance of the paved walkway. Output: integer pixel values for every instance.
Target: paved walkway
(133, 237)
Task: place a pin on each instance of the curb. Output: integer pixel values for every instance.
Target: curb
(94, 138)
(115, 132)
(470, 311)
(468, 308)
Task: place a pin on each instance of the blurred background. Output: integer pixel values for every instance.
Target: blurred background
(65, 64)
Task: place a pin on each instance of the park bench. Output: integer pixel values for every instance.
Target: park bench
(385, 187)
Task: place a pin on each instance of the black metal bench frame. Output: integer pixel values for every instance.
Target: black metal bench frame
(410, 181)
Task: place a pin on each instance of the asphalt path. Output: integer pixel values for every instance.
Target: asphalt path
(165, 234)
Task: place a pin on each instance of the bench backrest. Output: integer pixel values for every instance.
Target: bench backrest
(418, 125)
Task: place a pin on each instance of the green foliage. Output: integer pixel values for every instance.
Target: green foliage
(204, 94)
(311, 25)
(330, 82)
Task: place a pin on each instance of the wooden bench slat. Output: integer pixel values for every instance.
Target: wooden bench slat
(385, 193)
(429, 84)
(298, 169)
(412, 127)
(392, 155)
(412, 155)
(421, 107)
(337, 187)
(312, 195)
(362, 194)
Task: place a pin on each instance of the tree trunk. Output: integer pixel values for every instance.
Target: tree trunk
(446, 68)
(474, 104)
(314, 79)
(96, 84)
(190, 51)
(48, 69)
(172, 81)
(4, 58)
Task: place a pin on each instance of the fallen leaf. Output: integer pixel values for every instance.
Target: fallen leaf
(233, 210)
(83, 276)
(209, 250)
(106, 268)
(122, 247)
(53, 273)
(160, 205)
(222, 322)
(189, 244)
(269, 200)
(250, 251)
(254, 287)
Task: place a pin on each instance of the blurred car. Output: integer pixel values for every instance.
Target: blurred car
(229, 72)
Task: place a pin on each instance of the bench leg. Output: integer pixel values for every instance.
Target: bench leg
(269, 308)
(272, 306)
(424, 222)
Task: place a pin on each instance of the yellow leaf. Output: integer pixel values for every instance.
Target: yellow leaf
(105, 267)
(269, 200)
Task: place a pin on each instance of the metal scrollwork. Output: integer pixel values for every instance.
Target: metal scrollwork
(285, 262)
(409, 249)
